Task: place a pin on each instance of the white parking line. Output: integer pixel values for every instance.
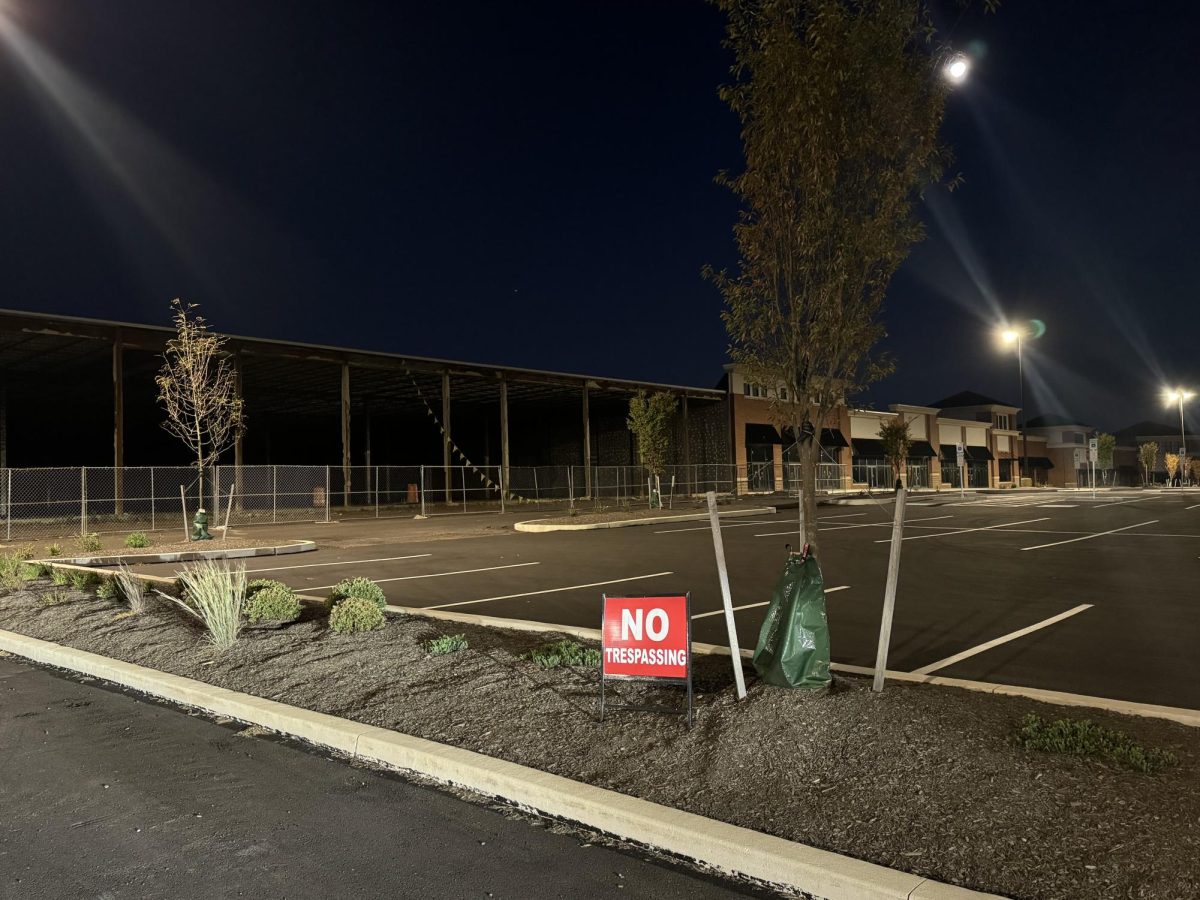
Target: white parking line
(1186, 508)
(1090, 536)
(1121, 502)
(859, 525)
(1011, 636)
(570, 587)
(346, 562)
(917, 537)
(709, 527)
(1058, 506)
(435, 575)
(721, 612)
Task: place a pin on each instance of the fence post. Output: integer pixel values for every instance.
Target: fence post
(275, 487)
(326, 494)
(501, 490)
(423, 492)
(83, 500)
(152, 523)
(570, 488)
(377, 492)
(8, 505)
(216, 483)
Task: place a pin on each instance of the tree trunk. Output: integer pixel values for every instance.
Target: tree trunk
(809, 453)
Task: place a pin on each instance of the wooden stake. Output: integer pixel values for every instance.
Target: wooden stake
(727, 599)
(889, 592)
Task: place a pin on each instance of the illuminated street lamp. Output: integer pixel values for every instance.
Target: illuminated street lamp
(1014, 336)
(1179, 395)
(957, 68)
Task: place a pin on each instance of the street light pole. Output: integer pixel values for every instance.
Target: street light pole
(1021, 463)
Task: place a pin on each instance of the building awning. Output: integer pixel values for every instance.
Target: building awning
(920, 450)
(831, 438)
(869, 447)
(762, 434)
(978, 454)
(1037, 462)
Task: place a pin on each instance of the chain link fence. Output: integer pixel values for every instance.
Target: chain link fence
(59, 502)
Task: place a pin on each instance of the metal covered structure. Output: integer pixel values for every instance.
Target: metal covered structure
(71, 387)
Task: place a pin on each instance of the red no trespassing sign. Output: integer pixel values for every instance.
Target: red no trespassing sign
(646, 637)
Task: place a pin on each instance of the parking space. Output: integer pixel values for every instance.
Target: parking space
(1049, 590)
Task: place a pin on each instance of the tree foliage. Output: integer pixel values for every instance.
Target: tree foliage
(1148, 457)
(1106, 444)
(894, 436)
(840, 104)
(650, 421)
(197, 388)
(1171, 460)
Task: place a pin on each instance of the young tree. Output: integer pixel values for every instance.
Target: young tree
(1148, 457)
(197, 388)
(896, 441)
(840, 106)
(1105, 445)
(650, 421)
(1171, 460)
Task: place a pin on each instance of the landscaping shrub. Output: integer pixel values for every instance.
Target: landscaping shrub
(259, 584)
(36, 570)
(361, 588)
(80, 580)
(446, 643)
(89, 543)
(60, 577)
(214, 592)
(13, 572)
(132, 588)
(53, 550)
(273, 602)
(106, 589)
(137, 540)
(563, 653)
(355, 614)
(53, 598)
(1082, 737)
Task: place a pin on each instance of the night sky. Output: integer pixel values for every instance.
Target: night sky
(532, 184)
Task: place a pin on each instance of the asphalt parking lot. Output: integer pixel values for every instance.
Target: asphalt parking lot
(1056, 590)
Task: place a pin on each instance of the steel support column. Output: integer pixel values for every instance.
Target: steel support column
(446, 436)
(345, 435)
(118, 382)
(587, 443)
(504, 431)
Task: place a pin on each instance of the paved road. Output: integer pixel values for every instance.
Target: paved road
(107, 795)
(1122, 571)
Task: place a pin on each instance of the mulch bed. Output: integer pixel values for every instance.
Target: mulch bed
(920, 778)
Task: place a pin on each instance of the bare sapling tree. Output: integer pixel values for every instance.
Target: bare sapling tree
(1148, 457)
(840, 105)
(896, 442)
(650, 421)
(197, 388)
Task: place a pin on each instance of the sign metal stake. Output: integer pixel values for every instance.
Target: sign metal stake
(723, 574)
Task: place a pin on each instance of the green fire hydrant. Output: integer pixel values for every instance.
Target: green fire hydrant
(200, 526)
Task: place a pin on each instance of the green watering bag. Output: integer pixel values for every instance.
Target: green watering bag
(793, 645)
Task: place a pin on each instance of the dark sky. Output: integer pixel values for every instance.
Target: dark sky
(532, 184)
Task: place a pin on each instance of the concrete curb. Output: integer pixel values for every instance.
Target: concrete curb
(138, 559)
(724, 847)
(538, 526)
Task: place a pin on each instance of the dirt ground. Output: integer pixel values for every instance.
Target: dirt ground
(919, 778)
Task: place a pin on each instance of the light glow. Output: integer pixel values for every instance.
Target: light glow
(1177, 395)
(957, 69)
